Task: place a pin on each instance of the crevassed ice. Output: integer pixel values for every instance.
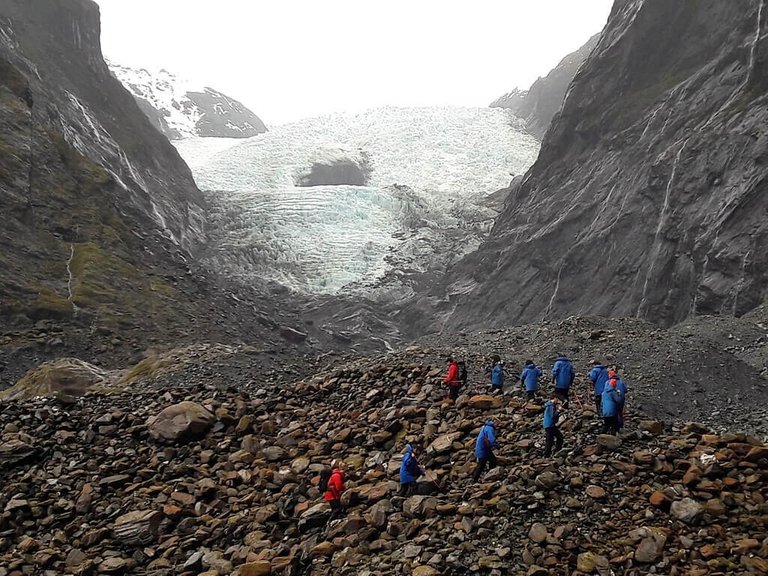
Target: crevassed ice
(324, 238)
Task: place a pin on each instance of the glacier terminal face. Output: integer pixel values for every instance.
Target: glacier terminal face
(431, 171)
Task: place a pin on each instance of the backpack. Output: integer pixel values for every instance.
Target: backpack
(325, 476)
(462, 372)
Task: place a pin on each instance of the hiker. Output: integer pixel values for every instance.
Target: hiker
(497, 374)
(452, 379)
(562, 376)
(410, 470)
(486, 442)
(598, 376)
(334, 490)
(622, 388)
(610, 406)
(553, 434)
(530, 379)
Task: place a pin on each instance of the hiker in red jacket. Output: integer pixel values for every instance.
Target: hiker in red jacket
(335, 490)
(452, 379)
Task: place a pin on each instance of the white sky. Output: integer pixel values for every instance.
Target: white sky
(289, 59)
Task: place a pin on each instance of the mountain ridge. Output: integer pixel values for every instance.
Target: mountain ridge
(181, 110)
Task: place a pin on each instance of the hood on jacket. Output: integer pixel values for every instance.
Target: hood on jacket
(408, 449)
(489, 423)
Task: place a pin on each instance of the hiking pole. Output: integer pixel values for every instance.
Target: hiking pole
(431, 479)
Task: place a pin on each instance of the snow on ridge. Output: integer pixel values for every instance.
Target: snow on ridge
(181, 108)
(166, 93)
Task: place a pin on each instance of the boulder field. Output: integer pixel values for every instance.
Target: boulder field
(206, 478)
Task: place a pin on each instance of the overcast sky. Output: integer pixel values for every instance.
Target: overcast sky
(289, 59)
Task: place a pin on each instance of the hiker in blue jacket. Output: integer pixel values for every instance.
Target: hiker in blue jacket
(530, 379)
(611, 403)
(613, 373)
(563, 375)
(410, 471)
(497, 375)
(553, 434)
(598, 376)
(486, 442)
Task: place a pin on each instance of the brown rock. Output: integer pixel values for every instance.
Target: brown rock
(651, 547)
(485, 402)
(323, 549)
(655, 427)
(443, 443)
(538, 533)
(659, 499)
(183, 421)
(260, 568)
(137, 528)
(595, 492)
(608, 441)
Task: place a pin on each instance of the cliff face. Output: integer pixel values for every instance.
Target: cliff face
(99, 212)
(538, 105)
(180, 110)
(649, 195)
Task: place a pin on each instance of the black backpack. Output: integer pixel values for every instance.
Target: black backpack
(462, 372)
(325, 476)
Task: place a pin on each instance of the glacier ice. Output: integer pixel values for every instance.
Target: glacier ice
(432, 169)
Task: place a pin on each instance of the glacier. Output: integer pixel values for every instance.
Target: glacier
(427, 202)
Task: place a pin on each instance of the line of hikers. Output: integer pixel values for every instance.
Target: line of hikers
(609, 393)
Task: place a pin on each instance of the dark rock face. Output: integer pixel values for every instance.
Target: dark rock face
(538, 105)
(87, 184)
(648, 198)
(179, 112)
(101, 220)
(336, 172)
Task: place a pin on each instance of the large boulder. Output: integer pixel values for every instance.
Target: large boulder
(183, 421)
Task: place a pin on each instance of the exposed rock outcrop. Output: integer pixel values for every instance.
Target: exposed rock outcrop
(648, 197)
(539, 104)
(335, 168)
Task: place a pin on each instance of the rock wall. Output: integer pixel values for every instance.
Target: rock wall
(538, 105)
(101, 218)
(648, 198)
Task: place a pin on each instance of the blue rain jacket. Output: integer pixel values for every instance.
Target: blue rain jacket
(599, 377)
(563, 373)
(497, 375)
(530, 377)
(486, 440)
(551, 414)
(409, 468)
(612, 401)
